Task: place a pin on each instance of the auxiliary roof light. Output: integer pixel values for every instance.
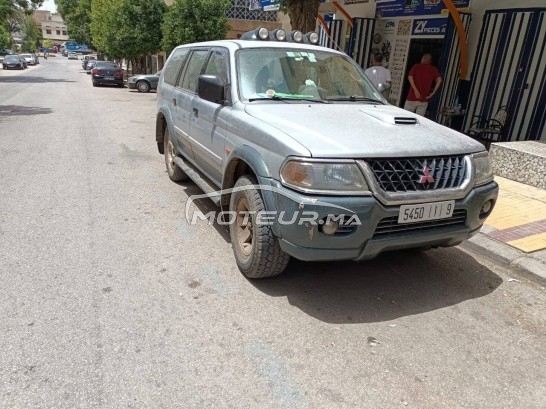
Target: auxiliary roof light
(312, 37)
(296, 36)
(279, 34)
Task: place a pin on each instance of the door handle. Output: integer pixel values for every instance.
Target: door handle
(174, 101)
(195, 112)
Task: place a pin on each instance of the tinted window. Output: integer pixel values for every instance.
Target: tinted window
(195, 65)
(173, 66)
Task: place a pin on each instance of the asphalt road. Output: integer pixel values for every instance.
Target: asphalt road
(110, 300)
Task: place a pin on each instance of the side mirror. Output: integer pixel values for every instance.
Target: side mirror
(211, 88)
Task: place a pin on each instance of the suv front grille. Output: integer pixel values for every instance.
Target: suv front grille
(419, 174)
(389, 226)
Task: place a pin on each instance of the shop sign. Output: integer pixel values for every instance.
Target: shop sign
(265, 5)
(404, 8)
(429, 27)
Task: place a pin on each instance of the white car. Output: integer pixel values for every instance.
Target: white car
(72, 55)
(28, 58)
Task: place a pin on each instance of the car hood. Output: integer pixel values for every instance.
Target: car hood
(362, 130)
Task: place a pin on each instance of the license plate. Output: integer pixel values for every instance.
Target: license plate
(426, 211)
(108, 78)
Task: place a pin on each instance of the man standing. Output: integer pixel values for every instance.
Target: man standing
(378, 74)
(421, 77)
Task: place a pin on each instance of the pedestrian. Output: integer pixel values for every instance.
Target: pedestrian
(379, 75)
(421, 77)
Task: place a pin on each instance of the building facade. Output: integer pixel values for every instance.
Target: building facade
(52, 26)
(502, 68)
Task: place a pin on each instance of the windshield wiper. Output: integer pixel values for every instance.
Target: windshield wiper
(273, 98)
(285, 99)
(357, 98)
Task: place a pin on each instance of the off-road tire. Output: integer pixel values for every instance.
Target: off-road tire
(175, 173)
(260, 255)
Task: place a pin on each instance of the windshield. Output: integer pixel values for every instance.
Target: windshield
(266, 73)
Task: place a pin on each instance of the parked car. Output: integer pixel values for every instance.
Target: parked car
(36, 59)
(72, 55)
(89, 66)
(4, 52)
(29, 59)
(24, 61)
(144, 83)
(107, 72)
(269, 126)
(12, 61)
(86, 59)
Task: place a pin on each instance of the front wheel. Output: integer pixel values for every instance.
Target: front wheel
(257, 250)
(175, 173)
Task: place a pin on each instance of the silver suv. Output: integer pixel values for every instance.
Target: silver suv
(306, 158)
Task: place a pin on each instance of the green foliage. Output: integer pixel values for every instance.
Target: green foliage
(48, 43)
(77, 17)
(31, 35)
(4, 37)
(188, 21)
(127, 28)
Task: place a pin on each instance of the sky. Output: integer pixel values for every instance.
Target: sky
(48, 5)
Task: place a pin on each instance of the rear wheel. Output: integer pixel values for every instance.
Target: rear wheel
(257, 250)
(143, 86)
(175, 173)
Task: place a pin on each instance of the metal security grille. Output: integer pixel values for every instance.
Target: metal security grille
(390, 226)
(360, 46)
(509, 71)
(239, 11)
(451, 60)
(418, 174)
(335, 38)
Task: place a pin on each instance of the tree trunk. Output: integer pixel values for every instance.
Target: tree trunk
(303, 14)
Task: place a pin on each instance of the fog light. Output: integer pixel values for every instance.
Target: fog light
(329, 227)
(486, 207)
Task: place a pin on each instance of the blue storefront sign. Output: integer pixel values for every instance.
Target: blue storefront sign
(405, 8)
(265, 5)
(429, 27)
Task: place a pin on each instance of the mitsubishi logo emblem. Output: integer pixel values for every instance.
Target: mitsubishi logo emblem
(426, 177)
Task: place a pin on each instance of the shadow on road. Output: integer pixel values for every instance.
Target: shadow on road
(394, 285)
(9, 110)
(31, 80)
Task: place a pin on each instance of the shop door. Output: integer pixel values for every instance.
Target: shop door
(509, 71)
(360, 44)
(419, 47)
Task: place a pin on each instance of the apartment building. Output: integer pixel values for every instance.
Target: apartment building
(52, 26)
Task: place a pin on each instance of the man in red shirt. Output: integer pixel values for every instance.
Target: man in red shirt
(421, 77)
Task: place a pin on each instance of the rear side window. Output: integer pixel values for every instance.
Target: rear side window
(195, 66)
(173, 66)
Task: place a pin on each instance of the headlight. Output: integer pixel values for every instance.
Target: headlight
(483, 171)
(323, 176)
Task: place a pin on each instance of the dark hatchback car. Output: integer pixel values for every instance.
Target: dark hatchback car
(13, 62)
(106, 72)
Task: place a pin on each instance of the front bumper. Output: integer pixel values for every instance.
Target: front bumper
(305, 241)
(131, 85)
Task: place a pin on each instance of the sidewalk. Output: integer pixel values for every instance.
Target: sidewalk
(515, 233)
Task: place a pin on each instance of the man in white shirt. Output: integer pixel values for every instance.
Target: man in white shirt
(379, 74)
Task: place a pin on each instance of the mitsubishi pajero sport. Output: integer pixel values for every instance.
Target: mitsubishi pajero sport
(307, 159)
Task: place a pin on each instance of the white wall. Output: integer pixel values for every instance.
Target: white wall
(478, 9)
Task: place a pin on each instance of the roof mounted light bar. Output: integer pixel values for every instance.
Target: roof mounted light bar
(295, 36)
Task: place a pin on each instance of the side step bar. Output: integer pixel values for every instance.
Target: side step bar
(199, 180)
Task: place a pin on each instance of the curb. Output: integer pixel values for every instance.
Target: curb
(532, 265)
